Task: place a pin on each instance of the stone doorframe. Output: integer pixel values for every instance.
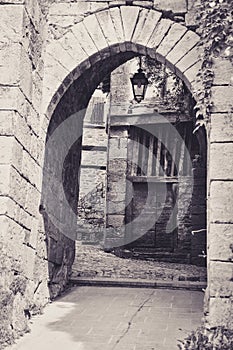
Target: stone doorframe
(109, 33)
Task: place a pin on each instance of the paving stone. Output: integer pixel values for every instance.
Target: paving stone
(105, 318)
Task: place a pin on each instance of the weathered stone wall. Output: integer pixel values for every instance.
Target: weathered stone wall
(220, 189)
(94, 158)
(116, 186)
(24, 271)
(91, 216)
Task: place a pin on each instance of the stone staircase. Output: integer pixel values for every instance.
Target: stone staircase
(151, 254)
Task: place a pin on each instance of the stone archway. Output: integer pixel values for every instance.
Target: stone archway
(107, 37)
(76, 63)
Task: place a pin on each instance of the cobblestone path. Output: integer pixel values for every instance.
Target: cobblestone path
(91, 261)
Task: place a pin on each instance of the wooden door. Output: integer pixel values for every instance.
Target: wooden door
(151, 210)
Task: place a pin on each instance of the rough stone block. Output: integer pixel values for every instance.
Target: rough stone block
(159, 32)
(7, 122)
(26, 74)
(191, 15)
(174, 35)
(187, 42)
(30, 169)
(10, 64)
(190, 75)
(23, 133)
(177, 7)
(115, 220)
(64, 21)
(84, 39)
(11, 23)
(129, 26)
(29, 255)
(5, 179)
(34, 11)
(116, 191)
(106, 24)
(70, 43)
(120, 132)
(220, 312)
(66, 9)
(117, 166)
(117, 22)
(223, 71)
(11, 209)
(220, 167)
(222, 98)
(97, 6)
(60, 55)
(9, 97)
(12, 182)
(188, 60)
(220, 197)
(221, 127)
(12, 236)
(220, 242)
(36, 91)
(220, 279)
(140, 23)
(94, 30)
(147, 29)
(11, 152)
(115, 208)
(118, 148)
(145, 3)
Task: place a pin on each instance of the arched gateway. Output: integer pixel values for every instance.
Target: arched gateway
(76, 60)
(91, 49)
(75, 64)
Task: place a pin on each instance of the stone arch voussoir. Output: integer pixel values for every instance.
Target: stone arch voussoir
(109, 32)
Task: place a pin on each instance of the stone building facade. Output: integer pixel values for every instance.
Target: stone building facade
(156, 158)
(53, 56)
(92, 198)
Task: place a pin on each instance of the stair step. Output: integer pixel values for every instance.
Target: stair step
(156, 256)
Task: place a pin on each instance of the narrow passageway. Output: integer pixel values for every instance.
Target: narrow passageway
(97, 318)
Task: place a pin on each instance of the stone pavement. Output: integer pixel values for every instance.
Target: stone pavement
(105, 318)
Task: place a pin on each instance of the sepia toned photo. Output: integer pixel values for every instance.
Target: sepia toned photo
(116, 186)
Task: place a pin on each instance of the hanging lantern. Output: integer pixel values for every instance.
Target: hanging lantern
(139, 83)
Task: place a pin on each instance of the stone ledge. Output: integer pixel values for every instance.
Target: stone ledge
(138, 283)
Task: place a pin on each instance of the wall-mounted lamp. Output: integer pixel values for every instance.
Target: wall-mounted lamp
(139, 83)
